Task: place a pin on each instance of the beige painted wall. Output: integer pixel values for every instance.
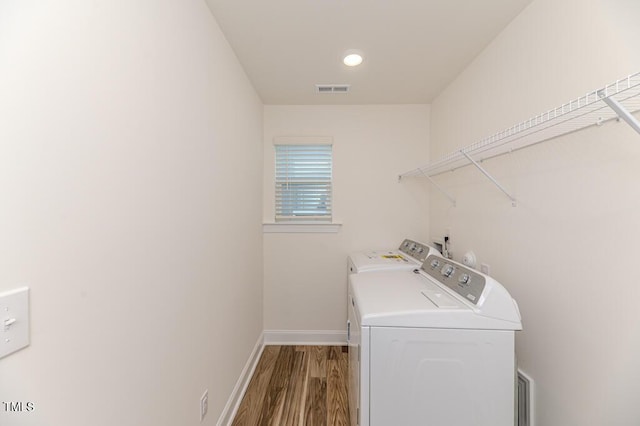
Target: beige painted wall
(127, 132)
(305, 274)
(567, 252)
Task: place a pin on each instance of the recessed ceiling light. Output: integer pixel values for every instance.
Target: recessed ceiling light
(352, 58)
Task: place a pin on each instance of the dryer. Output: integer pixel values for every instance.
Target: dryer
(408, 256)
(434, 347)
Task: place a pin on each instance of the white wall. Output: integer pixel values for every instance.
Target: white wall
(130, 176)
(305, 274)
(568, 251)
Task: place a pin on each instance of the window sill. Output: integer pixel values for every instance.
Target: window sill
(308, 228)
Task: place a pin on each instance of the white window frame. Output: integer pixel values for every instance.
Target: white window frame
(302, 223)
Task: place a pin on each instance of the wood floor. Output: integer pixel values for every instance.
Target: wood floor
(297, 385)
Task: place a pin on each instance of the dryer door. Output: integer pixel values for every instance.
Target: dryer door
(439, 377)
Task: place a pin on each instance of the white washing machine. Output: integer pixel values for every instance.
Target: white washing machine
(408, 256)
(434, 347)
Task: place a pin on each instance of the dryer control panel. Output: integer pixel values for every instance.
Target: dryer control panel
(466, 282)
(414, 249)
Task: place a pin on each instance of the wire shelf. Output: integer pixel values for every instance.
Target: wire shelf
(592, 109)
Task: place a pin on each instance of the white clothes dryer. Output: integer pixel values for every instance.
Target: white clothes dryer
(407, 257)
(434, 347)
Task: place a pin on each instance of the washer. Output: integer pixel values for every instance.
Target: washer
(407, 257)
(434, 347)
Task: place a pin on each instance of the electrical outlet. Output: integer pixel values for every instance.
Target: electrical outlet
(485, 269)
(204, 404)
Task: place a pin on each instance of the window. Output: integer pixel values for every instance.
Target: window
(303, 182)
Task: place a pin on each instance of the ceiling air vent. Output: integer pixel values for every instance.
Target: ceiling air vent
(332, 88)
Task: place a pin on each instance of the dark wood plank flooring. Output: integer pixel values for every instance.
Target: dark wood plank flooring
(297, 385)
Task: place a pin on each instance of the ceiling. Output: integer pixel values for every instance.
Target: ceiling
(412, 48)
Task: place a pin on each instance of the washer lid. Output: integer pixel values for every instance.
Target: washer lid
(365, 261)
(408, 299)
(409, 257)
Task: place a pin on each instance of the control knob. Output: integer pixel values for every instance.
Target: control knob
(464, 279)
(435, 263)
(447, 270)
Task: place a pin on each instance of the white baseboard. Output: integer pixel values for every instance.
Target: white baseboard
(305, 337)
(230, 410)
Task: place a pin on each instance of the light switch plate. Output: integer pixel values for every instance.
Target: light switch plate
(14, 320)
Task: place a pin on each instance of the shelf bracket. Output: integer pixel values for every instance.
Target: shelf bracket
(620, 110)
(491, 178)
(439, 188)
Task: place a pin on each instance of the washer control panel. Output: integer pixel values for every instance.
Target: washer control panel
(415, 250)
(464, 281)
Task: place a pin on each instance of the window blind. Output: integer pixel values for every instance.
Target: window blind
(303, 182)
